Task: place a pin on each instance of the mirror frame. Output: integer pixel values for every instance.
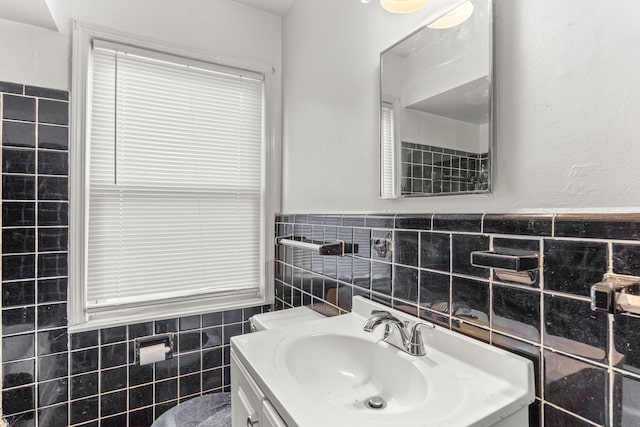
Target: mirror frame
(492, 128)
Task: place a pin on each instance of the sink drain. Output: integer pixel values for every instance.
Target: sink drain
(375, 402)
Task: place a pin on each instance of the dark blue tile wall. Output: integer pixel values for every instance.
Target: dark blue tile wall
(428, 169)
(51, 378)
(587, 364)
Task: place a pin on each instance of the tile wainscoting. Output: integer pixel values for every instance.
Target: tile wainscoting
(435, 170)
(587, 364)
(51, 378)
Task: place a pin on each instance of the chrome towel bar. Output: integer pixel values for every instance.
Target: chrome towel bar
(616, 293)
(337, 248)
(505, 261)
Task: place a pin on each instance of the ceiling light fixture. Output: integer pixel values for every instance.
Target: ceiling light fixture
(403, 6)
(456, 17)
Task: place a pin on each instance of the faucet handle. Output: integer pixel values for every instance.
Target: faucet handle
(416, 343)
(422, 323)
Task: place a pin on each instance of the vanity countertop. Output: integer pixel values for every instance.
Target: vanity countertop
(321, 373)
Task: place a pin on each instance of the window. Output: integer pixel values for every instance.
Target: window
(173, 189)
(387, 148)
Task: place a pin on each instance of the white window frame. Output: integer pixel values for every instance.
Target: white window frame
(386, 193)
(79, 318)
(396, 152)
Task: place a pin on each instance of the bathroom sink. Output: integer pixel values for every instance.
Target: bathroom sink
(330, 372)
(358, 369)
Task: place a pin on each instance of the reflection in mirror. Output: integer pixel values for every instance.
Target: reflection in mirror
(436, 106)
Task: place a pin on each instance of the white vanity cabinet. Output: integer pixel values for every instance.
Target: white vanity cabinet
(249, 405)
(332, 372)
(270, 417)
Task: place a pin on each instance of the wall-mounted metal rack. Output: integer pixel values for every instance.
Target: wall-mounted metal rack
(513, 266)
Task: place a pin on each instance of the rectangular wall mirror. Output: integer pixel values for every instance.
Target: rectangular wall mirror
(436, 106)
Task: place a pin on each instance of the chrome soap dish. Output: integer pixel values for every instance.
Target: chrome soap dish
(511, 265)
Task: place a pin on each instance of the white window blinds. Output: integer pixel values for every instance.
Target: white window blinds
(387, 150)
(175, 178)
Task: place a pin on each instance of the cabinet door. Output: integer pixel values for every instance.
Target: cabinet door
(270, 417)
(243, 413)
(246, 397)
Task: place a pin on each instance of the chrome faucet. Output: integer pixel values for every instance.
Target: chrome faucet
(411, 343)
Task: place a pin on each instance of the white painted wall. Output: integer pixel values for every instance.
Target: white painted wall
(221, 28)
(33, 55)
(32, 12)
(568, 107)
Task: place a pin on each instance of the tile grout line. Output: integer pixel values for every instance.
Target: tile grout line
(450, 308)
(611, 345)
(37, 266)
(2, 232)
(128, 368)
(542, 350)
(491, 286)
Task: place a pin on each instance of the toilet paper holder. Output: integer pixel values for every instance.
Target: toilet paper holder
(142, 343)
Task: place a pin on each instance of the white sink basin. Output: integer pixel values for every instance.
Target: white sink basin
(321, 373)
(359, 369)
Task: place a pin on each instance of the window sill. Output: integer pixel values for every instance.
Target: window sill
(133, 315)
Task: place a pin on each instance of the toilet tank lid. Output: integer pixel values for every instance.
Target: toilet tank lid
(277, 319)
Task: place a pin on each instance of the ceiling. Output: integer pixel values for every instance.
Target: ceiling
(32, 12)
(468, 102)
(275, 7)
(36, 12)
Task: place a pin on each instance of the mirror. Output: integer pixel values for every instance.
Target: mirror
(436, 120)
